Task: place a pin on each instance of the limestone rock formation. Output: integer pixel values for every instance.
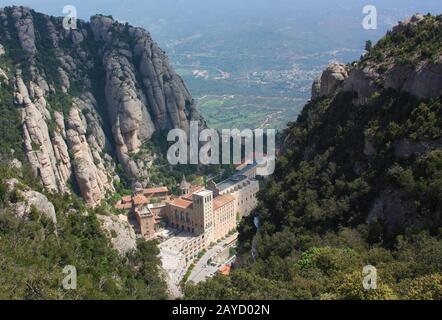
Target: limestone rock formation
(88, 165)
(405, 148)
(91, 99)
(120, 232)
(423, 83)
(331, 79)
(394, 209)
(316, 89)
(421, 78)
(413, 20)
(144, 94)
(38, 144)
(362, 83)
(31, 199)
(23, 22)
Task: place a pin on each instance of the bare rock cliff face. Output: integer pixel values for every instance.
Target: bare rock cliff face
(391, 100)
(30, 200)
(89, 98)
(425, 82)
(330, 80)
(143, 93)
(120, 233)
(422, 80)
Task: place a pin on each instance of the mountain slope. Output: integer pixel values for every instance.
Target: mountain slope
(41, 233)
(359, 183)
(88, 99)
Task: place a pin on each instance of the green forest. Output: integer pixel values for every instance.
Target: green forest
(35, 251)
(355, 185)
(333, 207)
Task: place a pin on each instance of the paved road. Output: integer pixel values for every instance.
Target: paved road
(202, 270)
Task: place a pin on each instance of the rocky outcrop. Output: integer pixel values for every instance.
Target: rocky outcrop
(89, 167)
(331, 79)
(131, 122)
(31, 199)
(363, 79)
(362, 83)
(38, 144)
(394, 209)
(120, 233)
(91, 99)
(143, 92)
(369, 144)
(413, 20)
(316, 89)
(420, 76)
(23, 22)
(3, 75)
(423, 83)
(405, 148)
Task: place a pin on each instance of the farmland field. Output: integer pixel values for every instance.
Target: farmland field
(240, 112)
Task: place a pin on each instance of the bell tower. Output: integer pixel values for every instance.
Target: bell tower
(203, 210)
(184, 186)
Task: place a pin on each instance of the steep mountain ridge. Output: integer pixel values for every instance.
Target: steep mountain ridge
(367, 121)
(89, 98)
(358, 182)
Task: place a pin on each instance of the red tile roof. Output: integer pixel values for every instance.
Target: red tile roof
(220, 201)
(140, 199)
(123, 206)
(225, 270)
(193, 189)
(126, 199)
(150, 191)
(181, 203)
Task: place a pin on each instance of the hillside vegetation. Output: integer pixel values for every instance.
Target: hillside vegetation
(35, 251)
(359, 183)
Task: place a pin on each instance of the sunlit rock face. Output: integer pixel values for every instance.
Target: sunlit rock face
(89, 98)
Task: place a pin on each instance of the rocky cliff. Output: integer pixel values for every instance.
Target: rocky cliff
(88, 98)
(366, 149)
(358, 181)
(408, 60)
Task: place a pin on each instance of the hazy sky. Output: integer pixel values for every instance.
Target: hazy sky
(334, 23)
(199, 12)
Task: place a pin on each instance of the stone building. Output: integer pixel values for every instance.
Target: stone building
(202, 214)
(149, 216)
(210, 213)
(224, 216)
(145, 221)
(185, 186)
(178, 252)
(243, 187)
